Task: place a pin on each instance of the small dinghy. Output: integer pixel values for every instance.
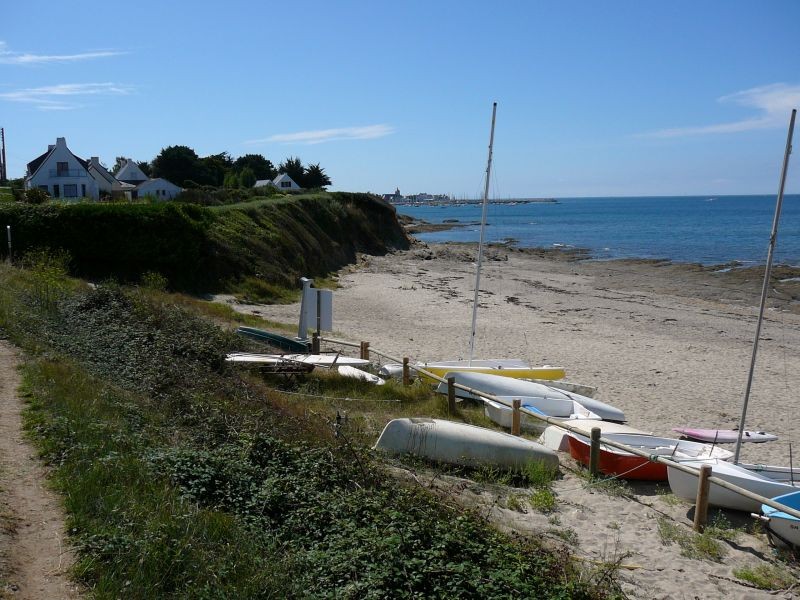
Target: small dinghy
(315, 360)
(724, 436)
(514, 369)
(275, 340)
(557, 408)
(506, 386)
(783, 528)
(684, 485)
(352, 372)
(617, 462)
(461, 444)
(556, 438)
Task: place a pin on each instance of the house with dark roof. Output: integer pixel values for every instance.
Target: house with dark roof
(61, 174)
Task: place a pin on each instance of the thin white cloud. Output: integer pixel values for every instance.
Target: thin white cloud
(773, 104)
(9, 57)
(63, 96)
(320, 136)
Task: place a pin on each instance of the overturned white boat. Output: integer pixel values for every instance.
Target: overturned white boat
(684, 485)
(557, 408)
(557, 438)
(461, 444)
(506, 386)
(317, 360)
(353, 373)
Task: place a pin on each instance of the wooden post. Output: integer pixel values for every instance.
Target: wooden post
(594, 452)
(365, 350)
(701, 504)
(315, 343)
(515, 416)
(406, 374)
(451, 395)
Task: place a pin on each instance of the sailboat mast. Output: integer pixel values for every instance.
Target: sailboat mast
(765, 287)
(483, 233)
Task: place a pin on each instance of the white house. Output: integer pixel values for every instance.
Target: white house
(62, 174)
(106, 182)
(282, 182)
(160, 188)
(131, 173)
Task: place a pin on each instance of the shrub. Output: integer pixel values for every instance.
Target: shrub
(36, 196)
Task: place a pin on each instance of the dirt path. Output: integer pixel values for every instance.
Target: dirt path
(34, 557)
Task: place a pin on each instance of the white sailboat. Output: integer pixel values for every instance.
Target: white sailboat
(503, 367)
(768, 481)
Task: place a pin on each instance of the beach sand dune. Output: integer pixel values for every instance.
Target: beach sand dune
(669, 344)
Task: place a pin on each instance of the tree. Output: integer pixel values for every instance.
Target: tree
(231, 180)
(294, 169)
(178, 164)
(247, 178)
(145, 167)
(315, 177)
(262, 168)
(118, 164)
(214, 169)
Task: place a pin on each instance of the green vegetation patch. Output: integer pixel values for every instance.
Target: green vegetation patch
(184, 479)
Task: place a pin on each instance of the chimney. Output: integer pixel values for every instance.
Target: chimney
(95, 160)
(61, 141)
(50, 147)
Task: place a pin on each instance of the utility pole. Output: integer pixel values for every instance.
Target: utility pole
(3, 172)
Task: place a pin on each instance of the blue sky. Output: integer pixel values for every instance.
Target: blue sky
(594, 98)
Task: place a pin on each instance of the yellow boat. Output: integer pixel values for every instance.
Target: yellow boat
(516, 371)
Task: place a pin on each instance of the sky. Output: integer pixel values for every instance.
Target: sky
(595, 98)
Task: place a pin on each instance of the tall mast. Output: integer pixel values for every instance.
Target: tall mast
(3, 171)
(765, 287)
(483, 234)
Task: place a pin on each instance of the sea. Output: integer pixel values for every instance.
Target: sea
(710, 230)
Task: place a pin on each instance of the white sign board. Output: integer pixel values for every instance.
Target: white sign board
(316, 310)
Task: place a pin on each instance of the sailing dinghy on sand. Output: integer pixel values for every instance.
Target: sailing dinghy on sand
(505, 368)
(461, 444)
(769, 481)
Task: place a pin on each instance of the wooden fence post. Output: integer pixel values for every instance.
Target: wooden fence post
(515, 416)
(451, 395)
(701, 504)
(315, 343)
(594, 452)
(406, 375)
(365, 350)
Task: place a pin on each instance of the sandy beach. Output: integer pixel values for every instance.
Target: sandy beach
(669, 344)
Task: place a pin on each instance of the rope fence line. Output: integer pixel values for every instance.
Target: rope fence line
(561, 424)
(323, 397)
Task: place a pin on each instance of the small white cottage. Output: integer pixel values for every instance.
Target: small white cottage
(62, 174)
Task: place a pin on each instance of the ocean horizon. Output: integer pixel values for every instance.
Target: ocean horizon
(709, 230)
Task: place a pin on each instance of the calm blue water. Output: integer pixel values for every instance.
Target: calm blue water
(703, 229)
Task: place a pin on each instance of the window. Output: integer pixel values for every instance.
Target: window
(62, 169)
(286, 184)
(70, 190)
(83, 190)
(55, 191)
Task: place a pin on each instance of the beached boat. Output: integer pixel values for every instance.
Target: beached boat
(613, 461)
(684, 485)
(506, 386)
(556, 438)
(557, 408)
(724, 436)
(316, 360)
(461, 444)
(275, 340)
(505, 368)
(782, 527)
(519, 370)
(353, 373)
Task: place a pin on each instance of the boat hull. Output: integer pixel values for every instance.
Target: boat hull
(555, 437)
(563, 410)
(626, 466)
(275, 340)
(546, 373)
(784, 527)
(505, 386)
(684, 485)
(724, 436)
(461, 444)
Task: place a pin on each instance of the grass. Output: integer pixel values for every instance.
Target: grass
(767, 577)
(6, 195)
(182, 478)
(543, 500)
(704, 545)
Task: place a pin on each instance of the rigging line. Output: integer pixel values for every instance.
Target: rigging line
(345, 399)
